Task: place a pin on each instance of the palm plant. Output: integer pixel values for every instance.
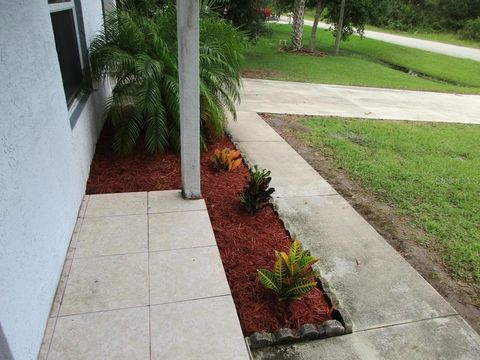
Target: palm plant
(297, 28)
(137, 55)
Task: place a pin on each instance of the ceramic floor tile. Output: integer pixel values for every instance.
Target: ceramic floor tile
(179, 230)
(199, 329)
(112, 235)
(117, 204)
(186, 274)
(172, 200)
(106, 283)
(116, 335)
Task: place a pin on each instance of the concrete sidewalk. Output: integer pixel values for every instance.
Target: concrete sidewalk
(427, 45)
(396, 314)
(283, 97)
(143, 279)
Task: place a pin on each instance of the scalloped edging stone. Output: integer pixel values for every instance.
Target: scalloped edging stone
(340, 324)
(285, 336)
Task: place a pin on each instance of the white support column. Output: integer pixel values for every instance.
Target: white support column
(188, 28)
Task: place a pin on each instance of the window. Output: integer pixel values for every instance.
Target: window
(70, 44)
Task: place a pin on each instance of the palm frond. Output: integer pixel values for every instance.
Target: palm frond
(136, 52)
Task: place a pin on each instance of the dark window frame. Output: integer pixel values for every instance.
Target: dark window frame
(78, 103)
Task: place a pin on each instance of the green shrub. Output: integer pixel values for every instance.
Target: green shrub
(471, 30)
(257, 193)
(137, 54)
(292, 276)
(425, 15)
(144, 7)
(245, 14)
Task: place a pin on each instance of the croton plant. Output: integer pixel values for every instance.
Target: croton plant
(226, 159)
(258, 192)
(292, 276)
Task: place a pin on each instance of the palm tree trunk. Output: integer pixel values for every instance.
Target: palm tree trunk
(298, 13)
(340, 28)
(318, 11)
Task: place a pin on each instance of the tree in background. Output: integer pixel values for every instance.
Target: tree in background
(436, 15)
(356, 16)
(247, 15)
(452, 14)
(297, 8)
(340, 26)
(319, 7)
(471, 30)
(297, 29)
(143, 7)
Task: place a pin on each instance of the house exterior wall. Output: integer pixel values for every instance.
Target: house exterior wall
(44, 165)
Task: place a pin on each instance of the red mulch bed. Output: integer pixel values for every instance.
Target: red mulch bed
(246, 242)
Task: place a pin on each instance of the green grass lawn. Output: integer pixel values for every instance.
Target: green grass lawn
(360, 64)
(463, 71)
(444, 37)
(428, 172)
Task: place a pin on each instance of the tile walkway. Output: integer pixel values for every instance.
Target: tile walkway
(143, 279)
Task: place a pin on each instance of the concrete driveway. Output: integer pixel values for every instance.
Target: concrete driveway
(433, 46)
(283, 97)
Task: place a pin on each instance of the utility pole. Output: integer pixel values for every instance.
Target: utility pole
(340, 28)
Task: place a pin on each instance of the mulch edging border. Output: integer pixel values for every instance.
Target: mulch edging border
(340, 325)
